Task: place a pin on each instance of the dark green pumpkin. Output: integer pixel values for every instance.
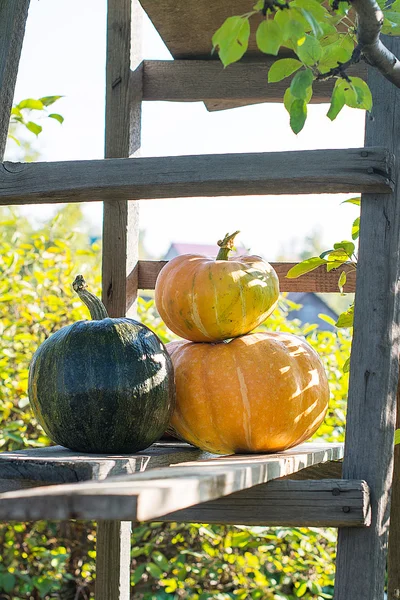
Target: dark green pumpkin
(104, 385)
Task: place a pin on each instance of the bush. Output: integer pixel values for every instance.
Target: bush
(169, 561)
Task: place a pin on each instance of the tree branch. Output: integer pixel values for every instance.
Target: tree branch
(374, 52)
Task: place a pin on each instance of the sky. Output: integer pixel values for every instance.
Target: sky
(64, 53)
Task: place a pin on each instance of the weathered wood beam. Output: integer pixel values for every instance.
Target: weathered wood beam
(299, 172)
(152, 494)
(208, 81)
(394, 533)
(374, 366)
(287, 503)
(315, 281)
(13, 17)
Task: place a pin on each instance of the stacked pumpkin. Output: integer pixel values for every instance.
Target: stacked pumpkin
(236, 391)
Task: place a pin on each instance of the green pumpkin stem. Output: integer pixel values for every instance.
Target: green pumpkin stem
(226, 245)
(96, 308)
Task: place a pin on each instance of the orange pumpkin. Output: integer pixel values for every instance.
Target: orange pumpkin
(203, 299)
(262, 392)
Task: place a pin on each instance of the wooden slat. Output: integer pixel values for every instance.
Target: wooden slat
(299, 172)
(13, 17)
(55, 464)
(315, 281)
(149, 495)
(394, 533)
(287, 503)
(113, 551)
(374, 360)
(208, 81)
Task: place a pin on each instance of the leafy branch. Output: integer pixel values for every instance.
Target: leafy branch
(21, 115)
(342, 254)
(325, 43)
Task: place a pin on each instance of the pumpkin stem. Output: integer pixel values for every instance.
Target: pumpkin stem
(226, 245)
(96, 308)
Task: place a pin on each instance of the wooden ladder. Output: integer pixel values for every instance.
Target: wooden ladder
(372, 170)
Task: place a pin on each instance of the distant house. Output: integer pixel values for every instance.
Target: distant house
(178, 248)
(311, 304)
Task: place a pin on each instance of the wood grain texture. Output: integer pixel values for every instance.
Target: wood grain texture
(55, 464)
(122, 139)
(315, 281)
(374, 360)
(294, 172)
(113, 560)
(287, 503)
(152, 494)
(13, 17)
(393, 591)
(207, 80)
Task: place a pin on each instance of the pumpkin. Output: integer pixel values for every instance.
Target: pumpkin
(263, 392)
(104, 385)
(203, 299)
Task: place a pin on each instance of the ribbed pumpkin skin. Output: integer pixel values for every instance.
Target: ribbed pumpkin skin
(206, 300)
(103, 386)
(262, 392)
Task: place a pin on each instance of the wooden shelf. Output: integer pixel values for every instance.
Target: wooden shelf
(149, 491)
(300, 172)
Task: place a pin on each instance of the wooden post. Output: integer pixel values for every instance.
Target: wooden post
(394, 533)
(13, 17)
(361, 559)
(120, 247)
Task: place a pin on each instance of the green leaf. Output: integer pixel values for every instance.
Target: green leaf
(342, 281)
(356, 201)
(315, 26)
(57, 117)
(138, 573)
(298, 115)
(288, 98)
(347, 246)
(355, 230)
(269, 37)
(293, 30)
(154, 571)
(160, 560)
(310, 51)
(301, 82)
(346, 318)
(346, 366)
(317, 10)
(34, 127)
(334, 264)
(48, 100)
(31, 103)
(332, 55)
(8, 581)
(301, 590)
(397, 436)
(327, 319)
(357, 93)
(232, 39)
(337, 101)
(283, 68)
(305, 267)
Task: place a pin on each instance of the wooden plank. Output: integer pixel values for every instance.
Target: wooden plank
(13, 17)
(152, 494)
(287, 503)
(394, 533)
(294, 172)
(208, 81)
(113, 560)
(374, 360)
(122, 138)
(316, 281)
(55, 464)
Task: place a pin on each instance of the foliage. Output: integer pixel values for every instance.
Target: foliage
(45, 559)
(322, 38)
